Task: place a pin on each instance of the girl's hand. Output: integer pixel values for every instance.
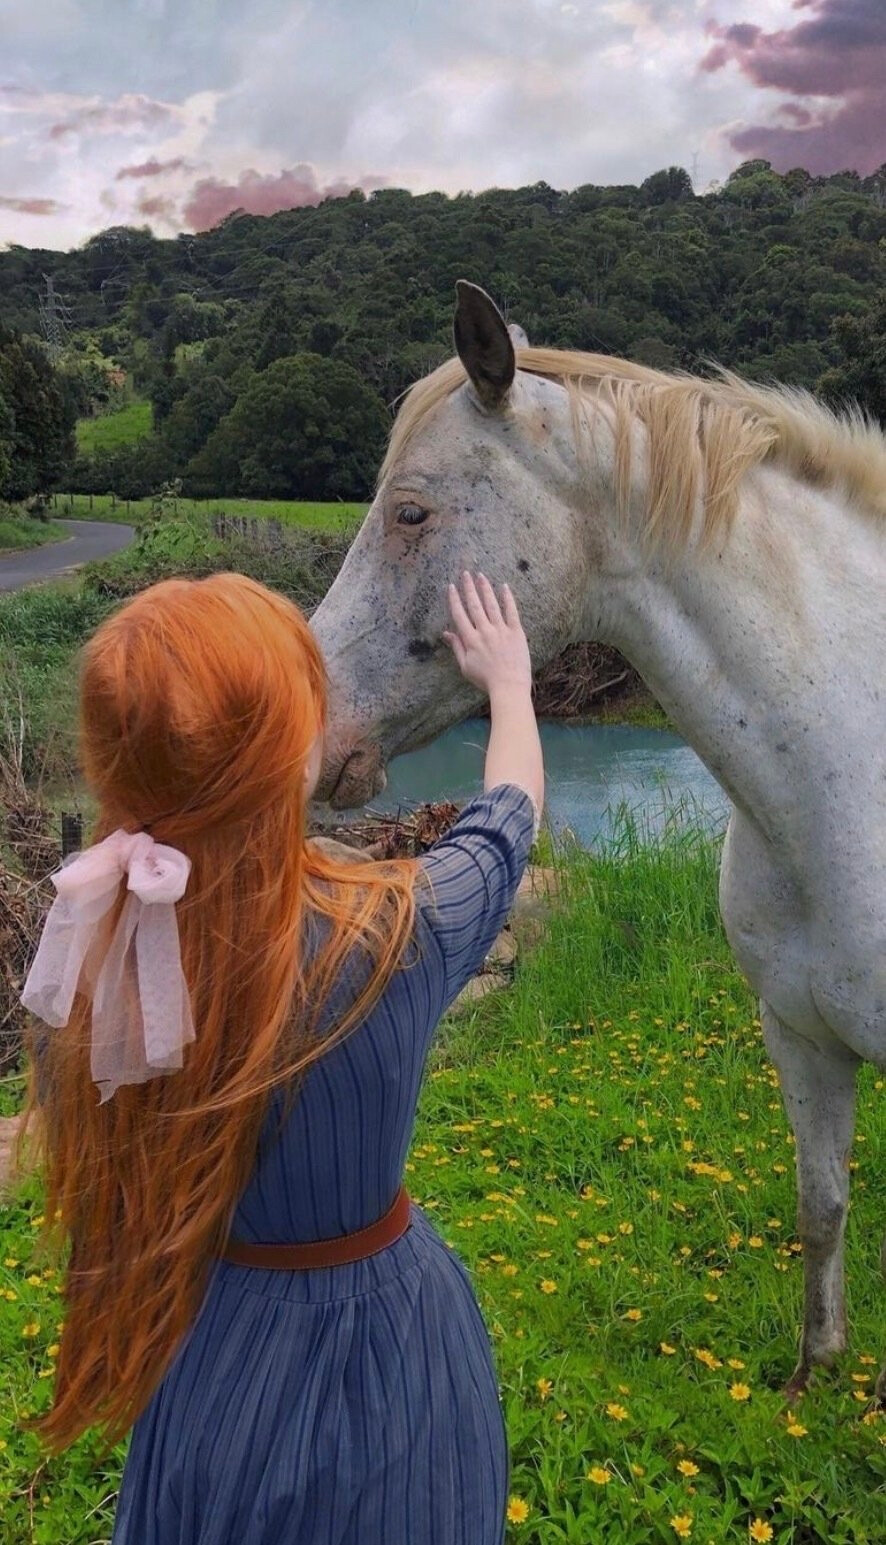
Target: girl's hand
(487, 638)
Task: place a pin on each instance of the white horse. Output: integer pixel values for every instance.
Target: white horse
(729, 540)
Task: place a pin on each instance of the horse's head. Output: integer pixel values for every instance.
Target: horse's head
(481, 474)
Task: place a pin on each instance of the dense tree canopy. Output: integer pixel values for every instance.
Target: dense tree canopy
(861, 375)
(36, 420)
(306, 427)
(776, 276)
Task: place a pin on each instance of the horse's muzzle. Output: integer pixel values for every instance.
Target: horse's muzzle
(355, 780)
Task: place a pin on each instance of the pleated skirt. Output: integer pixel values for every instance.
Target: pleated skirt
(351, 1406)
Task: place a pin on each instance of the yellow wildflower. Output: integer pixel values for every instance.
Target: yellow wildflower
(760, 1530)
(617, 1412)
(708, 1358)
(518, 1510)
(681, 1523)
(687, 1468)
(544, 1387)
(797, 1430)
(667, 1349)
(634, 1315)
(547, 1286)
(599, 1476)
(30, 1330)
(740, 1391)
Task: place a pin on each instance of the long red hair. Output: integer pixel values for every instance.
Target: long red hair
(200, 702)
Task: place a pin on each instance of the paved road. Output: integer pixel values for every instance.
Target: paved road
(88, 539)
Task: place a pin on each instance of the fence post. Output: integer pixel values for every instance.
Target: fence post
(72, 833)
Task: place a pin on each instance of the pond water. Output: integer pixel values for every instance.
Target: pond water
(593, 772)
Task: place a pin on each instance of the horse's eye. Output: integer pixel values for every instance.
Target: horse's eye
(411, 514)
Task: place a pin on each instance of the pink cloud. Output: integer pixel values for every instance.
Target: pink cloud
(837, 51)
(211, 200)
(151, 168)
(127, 113)
(32, 206)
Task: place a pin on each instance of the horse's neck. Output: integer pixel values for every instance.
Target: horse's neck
(750, 649)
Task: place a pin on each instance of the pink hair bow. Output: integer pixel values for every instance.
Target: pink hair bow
(141, 1009)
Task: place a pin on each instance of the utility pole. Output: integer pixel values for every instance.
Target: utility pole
(695, 168)
(54, 319)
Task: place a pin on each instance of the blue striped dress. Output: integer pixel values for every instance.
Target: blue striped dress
(353, 1405)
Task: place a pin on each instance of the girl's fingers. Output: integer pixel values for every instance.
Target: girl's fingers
(473, 605)
(461, 621)
(509, 607)
(490, 600)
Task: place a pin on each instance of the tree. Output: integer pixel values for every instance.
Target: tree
(862, 374)
(192, 419)
(306, 427)
(667, 187)
(38, 415)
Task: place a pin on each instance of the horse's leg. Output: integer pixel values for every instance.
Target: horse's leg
(818, 1087)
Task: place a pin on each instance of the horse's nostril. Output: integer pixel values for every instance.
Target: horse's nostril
(361, 775)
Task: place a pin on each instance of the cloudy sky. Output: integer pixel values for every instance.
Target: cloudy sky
(175, 112)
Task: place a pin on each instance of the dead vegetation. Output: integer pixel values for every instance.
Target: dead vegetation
(404, 835)
(29, 851)
(582, 679)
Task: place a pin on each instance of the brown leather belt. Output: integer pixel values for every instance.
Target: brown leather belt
(326, 1252)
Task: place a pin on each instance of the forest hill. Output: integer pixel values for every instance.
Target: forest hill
(272, 348)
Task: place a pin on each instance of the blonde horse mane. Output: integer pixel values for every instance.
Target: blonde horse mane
(702, 435)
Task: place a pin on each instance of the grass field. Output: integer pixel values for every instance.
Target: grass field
(292, 512)
(111, 430)
(18, 533)
(605, 1147)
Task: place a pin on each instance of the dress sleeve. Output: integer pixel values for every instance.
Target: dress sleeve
(472, 875)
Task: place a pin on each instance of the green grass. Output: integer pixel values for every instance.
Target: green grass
(43, 627)
(309, 515)
(112, 430)
(605, 1147)
(18, 533)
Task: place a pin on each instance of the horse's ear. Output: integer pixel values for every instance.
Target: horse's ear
(517, 336)
(483, 344)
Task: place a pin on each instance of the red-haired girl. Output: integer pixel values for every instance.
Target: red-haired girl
(301, 1354)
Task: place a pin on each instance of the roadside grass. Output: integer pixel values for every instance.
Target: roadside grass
(18, 533)
(112, 430)
(605, 1147)
(43, 627)
(310, 515)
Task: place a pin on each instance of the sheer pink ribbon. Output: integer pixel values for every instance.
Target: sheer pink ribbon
(141, 1009)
